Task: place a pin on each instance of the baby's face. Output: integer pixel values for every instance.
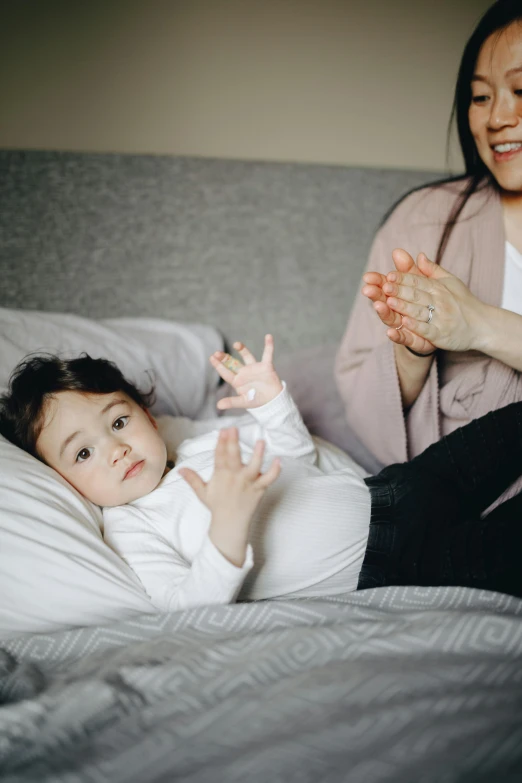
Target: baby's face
(105, 445)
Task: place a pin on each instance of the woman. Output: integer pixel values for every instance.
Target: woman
(453, 347)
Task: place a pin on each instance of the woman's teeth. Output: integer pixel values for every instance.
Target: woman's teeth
(507, 147)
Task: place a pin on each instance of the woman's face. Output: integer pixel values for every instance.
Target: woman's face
(495, 112)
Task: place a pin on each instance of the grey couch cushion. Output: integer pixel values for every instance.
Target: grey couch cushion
(249, 247)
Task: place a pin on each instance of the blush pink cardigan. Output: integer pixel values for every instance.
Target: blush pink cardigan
(460, 386)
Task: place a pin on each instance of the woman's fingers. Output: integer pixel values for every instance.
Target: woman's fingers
(416, 282)
(419, 312)
(411, 340)
(431, 269)
(404, 261)
(387, 315)
(374, 292)
(374, 278)
(421, 328)
(412, 293)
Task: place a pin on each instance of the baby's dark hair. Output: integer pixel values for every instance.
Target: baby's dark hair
(38, 378)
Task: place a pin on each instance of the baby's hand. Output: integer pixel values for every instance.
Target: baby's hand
(233, 493)
(256, 383)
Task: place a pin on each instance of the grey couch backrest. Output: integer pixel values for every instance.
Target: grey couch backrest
(249, 247)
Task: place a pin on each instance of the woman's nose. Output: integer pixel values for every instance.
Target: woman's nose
(503, 113)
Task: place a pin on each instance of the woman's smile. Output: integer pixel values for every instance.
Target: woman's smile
(506, 151)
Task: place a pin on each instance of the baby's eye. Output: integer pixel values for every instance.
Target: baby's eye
(83, 455)
(120, 422)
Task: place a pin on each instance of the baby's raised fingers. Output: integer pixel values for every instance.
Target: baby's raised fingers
(228, 403)
(216, 360)
(268, 352)
(254, 466)
(193, 480)
(220, 451)
(233, 452)
(265, 479)
(245, 354)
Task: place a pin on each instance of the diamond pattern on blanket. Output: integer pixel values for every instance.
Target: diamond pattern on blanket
(395, 684)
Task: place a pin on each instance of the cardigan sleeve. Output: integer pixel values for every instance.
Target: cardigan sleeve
(366, 373)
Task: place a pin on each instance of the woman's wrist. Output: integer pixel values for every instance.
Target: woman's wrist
(423, 355)
(412, 372)
(482, 326)
(499, 335)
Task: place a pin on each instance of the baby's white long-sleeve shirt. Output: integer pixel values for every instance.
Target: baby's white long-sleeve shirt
(308, 536)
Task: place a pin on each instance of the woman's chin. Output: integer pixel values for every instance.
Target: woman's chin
(509, 180)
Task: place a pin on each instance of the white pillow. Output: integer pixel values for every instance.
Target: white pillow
(176, 354)
(55, 569)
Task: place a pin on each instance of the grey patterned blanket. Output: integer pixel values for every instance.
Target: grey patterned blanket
(396, 684)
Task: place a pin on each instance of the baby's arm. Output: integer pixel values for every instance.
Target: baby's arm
(171, 582)
(265, 396)
(232, 494)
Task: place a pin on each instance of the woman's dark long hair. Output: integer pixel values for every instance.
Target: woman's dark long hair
(496, 19)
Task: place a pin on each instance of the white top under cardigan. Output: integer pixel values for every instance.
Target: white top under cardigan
(308, 536)
(512, 289)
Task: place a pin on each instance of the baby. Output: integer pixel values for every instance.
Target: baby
(206, 513)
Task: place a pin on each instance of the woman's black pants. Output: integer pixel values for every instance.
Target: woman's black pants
(426, 522)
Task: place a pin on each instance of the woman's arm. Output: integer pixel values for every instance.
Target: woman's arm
(412, 371)
(501, 336)
(377, 379)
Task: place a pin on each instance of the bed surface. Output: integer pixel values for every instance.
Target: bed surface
(396, 684)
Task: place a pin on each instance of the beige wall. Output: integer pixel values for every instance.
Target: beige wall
(333, 81)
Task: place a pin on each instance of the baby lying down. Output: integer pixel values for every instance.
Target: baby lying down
(250, 511)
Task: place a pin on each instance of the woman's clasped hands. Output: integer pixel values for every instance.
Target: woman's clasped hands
(425, 307)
